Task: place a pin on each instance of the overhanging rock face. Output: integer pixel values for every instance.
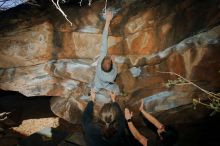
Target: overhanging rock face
(46, 56)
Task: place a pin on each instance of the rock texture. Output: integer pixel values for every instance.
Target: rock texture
(41, 54)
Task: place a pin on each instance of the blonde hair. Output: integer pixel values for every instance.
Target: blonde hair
(108, 120)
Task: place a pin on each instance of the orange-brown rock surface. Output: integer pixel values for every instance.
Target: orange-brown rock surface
(41, 54)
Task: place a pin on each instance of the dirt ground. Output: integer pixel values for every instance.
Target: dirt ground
(30, 114)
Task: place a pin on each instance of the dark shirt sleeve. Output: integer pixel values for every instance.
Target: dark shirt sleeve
(121, 119)
(150, 143)
(87, 114)
(149, 124)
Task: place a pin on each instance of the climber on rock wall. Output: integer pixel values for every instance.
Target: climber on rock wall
(106, 70)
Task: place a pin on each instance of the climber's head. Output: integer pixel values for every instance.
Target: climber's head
(106, 64)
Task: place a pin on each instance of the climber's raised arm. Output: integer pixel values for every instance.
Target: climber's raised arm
(104, 47)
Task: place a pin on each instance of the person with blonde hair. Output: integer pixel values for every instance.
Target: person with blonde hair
(109, 128)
